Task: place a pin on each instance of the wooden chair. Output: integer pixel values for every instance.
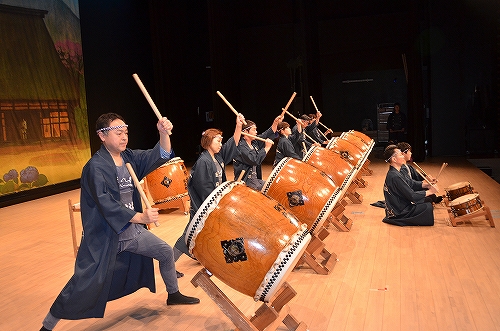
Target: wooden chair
(72, 209)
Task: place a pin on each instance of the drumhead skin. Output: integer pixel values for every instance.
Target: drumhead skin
(464, 198)
(246, 239)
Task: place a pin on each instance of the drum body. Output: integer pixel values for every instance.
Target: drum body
(466, 204)
(309, 193)
(246, 239)
(356, 141)
(457, 190)
(366, 139)
(332, 164)
(168, 182)
(347, 151)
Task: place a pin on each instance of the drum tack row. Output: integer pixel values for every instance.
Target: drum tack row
(252, 240)
(464, 203)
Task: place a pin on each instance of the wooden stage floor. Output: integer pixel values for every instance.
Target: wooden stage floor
(386, 277)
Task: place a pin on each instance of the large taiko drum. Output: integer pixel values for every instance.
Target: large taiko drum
(347, 151)
(246, 239)
(365, 138)
(356, 141)
(309, 193)
(168, 182)
(457, 190)
(466, 204)
(332, 164)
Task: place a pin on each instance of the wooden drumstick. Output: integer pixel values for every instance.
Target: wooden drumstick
(139, 188)
(289, 103)
(242, 173)
(441, 170)
(314, 103)
(423, 174)
(255, 137)
(148, 97)
(230, 106)
(296, 119)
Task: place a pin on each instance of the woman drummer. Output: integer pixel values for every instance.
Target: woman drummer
(287, 141)
(208, 172)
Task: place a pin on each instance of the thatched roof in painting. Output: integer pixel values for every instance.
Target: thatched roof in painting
(30, 68)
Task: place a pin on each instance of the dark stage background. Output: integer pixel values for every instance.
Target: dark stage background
(257, 53)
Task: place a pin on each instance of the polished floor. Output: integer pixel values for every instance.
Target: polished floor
(386, 277)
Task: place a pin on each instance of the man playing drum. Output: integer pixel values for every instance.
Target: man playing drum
(116, 253)
(404, 197)
(408, 170)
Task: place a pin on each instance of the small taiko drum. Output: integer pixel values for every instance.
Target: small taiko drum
(168, 182)
(332, 164)
(458, 189)
(246, 239)
(308, 192)
(466, 204)
(347, 151)
(356, 141)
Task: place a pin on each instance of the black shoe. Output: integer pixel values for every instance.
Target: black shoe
(180, 299)
(179, 274)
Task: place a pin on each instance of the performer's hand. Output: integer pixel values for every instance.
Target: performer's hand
(433, 189)
(150, 215)
(164, 126)
(240, 119)
(268, 143)
(278, 120)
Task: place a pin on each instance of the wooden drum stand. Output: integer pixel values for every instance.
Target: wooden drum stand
(269, 316)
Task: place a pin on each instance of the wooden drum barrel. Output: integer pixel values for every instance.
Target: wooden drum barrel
(366, 139)
(356, 141)
(309, 193)
(168, 182)
(246, 239)
(347, 151)
(457, 190)
(332, 164)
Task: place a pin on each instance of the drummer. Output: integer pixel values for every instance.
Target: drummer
(409, 170)
(287, 142)
(208, 172)
(313, 131)
(404, 197)
(252, 153)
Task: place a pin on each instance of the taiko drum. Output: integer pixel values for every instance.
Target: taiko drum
(466, 204)
(168, 182)
(308, 192)
(356, 141)
(457, 190)
(331, 163)
(246, 239)
(347, 151)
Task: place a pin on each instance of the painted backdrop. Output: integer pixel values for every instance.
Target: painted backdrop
(43, 113)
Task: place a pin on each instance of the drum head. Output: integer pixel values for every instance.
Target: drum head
(463, 198)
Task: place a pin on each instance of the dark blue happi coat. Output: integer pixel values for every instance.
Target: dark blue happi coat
(100, 273)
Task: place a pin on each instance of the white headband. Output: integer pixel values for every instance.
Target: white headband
(109, 128)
